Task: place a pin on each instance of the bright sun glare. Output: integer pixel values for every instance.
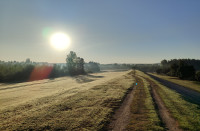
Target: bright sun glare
(60, 41)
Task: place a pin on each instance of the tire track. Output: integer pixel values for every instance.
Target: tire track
(122, 115)
(170, 123)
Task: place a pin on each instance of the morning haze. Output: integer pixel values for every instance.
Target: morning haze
(104, 31)
(100, 65)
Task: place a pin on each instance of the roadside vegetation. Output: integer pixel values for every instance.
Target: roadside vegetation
(186, 113)
(194, 85)
(186, 69)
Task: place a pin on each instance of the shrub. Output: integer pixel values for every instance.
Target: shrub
(197, 76)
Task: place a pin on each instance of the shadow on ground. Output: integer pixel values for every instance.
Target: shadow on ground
(86, 78)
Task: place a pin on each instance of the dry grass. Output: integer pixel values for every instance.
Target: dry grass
(16, 94)
(144, 115)
(71, 105)
(194, 85)
(187, 114)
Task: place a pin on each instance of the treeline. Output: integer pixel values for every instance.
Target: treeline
(15, 71)
(28, 71)
(115, 66)
(92, 67)
(182, 68)
(146, 67)
(141, 67)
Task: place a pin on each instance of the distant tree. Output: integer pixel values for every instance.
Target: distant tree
(159, 71)
(92, 67)
(79, 65)
(71, 63)
(182, 68)
(55, 72)
(28, 60)
(147, 67)
(14, 71)
(75, 65)
(133, 67)
(164, 62)
(173, 69)
(197, 76)
(185, 71)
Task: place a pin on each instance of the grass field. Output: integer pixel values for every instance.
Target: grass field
(79, 103)
(187, 114)
(194, 85)
(89, 102)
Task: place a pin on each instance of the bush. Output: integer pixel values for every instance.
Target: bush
(197, 76)
(185, 71)
(92, 67)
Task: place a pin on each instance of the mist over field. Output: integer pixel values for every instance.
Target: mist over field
(100, 65)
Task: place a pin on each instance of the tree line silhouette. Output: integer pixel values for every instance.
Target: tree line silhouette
(91, 67)
(183, 68)
(27, 71)
(115, 66)
(146, 67)
(22, 71)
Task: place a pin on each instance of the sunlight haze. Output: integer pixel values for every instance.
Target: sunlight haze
(100, 65)
(105, 31)
(60, 41)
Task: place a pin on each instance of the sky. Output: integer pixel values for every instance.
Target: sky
(104, 31)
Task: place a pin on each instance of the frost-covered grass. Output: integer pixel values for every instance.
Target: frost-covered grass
(84, 105)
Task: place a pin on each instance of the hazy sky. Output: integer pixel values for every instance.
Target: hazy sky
(105, 31)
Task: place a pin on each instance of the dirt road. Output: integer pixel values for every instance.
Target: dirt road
(188, 94)
(170, 123)
(121, 117)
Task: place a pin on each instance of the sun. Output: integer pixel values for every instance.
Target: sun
(60, 41)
